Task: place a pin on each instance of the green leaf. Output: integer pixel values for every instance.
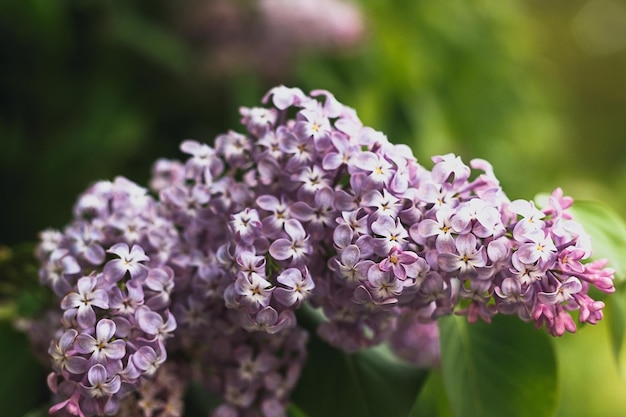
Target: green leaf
(151, 40)
(608, 233)
(432, 401)
(38, 412)
(294, 411)
(198, 401)
(506, 368)
(22, 382)
(616, 318)
(370, 383)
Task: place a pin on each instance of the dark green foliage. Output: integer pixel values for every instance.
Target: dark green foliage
(506, 368)
(22, 386)
(370, 383)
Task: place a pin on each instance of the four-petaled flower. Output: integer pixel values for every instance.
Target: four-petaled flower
(563, 293)
(538, 247)
(130, 261)
(295, 247)
(246, 225)
(268, 320)
(80, 304)
(153, 324)
(391, 234)
(64, 355)
(297, 287)
(56, 271)
(400, 262)
(441, 227)
(274, 223)
(383, 285)
(530, 220)
(468, 259)
(351, 267)
(449, 165)
(378, 168)
(101, 348)
(149, 360)
(100, 383)
(255, 291)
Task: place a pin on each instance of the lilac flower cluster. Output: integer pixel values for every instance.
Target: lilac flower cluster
(307, 207)
(162, 397)
(114, 298)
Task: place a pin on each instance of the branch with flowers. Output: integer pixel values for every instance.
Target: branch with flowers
(310, 267)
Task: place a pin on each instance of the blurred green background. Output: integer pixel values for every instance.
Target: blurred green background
(92, 89)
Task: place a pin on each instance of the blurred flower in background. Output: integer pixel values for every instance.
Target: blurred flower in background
(265, 37)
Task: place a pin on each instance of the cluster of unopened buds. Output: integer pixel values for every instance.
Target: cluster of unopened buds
(206, 271)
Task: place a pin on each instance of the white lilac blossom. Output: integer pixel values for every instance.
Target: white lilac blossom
(308, 206)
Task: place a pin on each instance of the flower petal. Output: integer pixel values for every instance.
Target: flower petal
(85, 343)
(281, 249)
(97, 374)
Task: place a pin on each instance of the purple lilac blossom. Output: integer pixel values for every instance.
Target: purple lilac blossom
(160, 396)
(313, 209)
(100, 331)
